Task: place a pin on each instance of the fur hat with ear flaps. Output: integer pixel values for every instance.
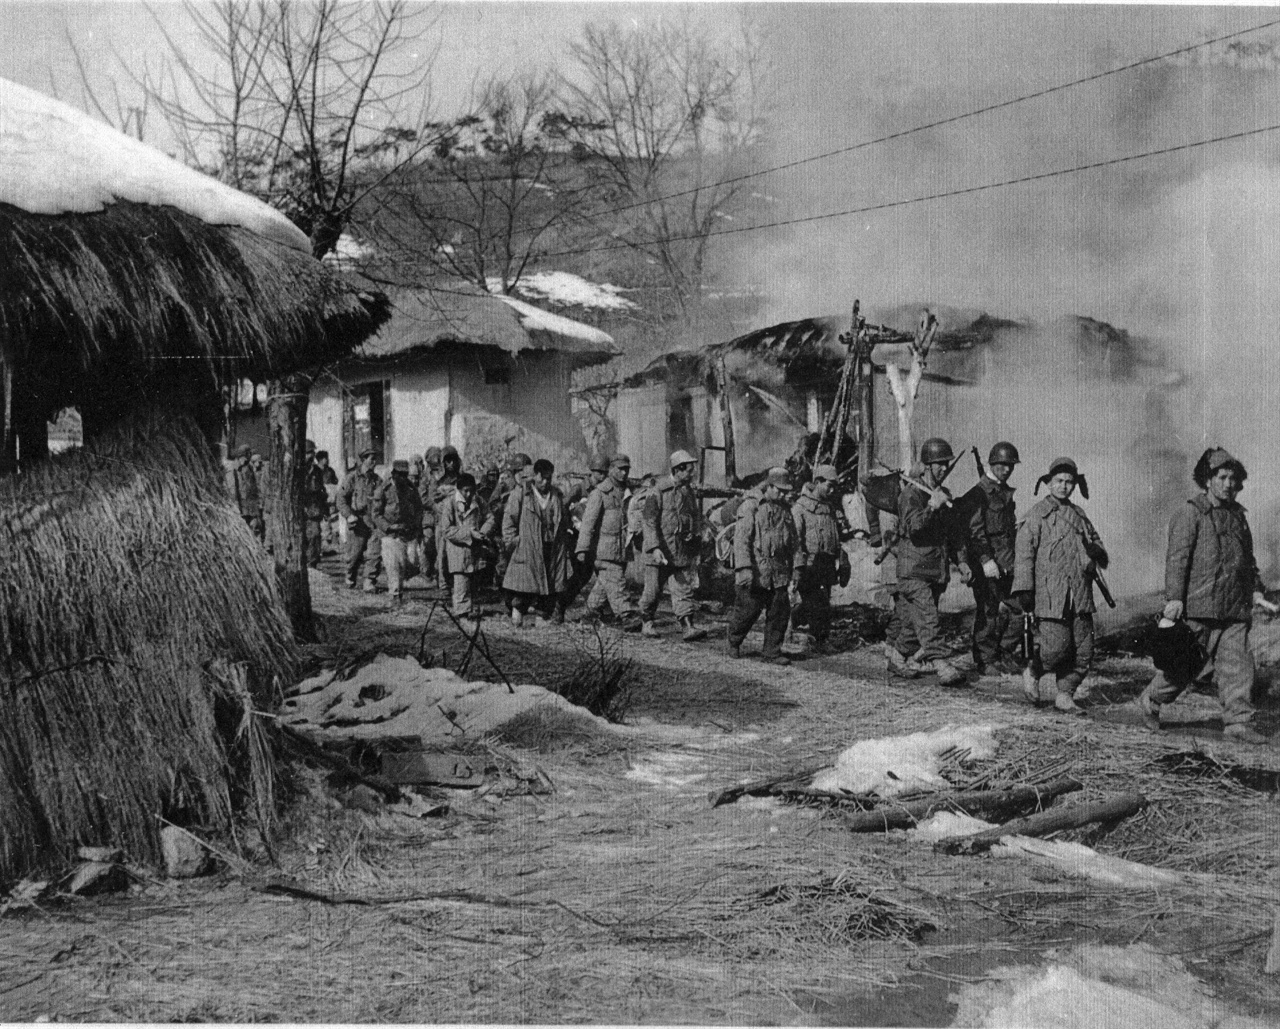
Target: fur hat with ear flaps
(1210, 461)
(1064, 464)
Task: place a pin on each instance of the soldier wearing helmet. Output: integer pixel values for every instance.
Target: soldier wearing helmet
(993, 528)
(764, 550)
(672, 547)
(818, 554)
(1055, 556)
(931, 535)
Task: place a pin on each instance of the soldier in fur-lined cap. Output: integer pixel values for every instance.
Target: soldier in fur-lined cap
(1056, 554)
(1212, 581)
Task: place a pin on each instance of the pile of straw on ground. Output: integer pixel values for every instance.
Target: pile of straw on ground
(130, 587)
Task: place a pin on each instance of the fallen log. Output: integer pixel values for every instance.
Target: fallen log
(1045, 822)
(890, 815)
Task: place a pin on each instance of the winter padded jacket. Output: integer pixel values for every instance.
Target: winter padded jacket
(672, 525)
(396, 509)
(1210, 564)
(1056, 550)
(356, 493)
(927, 540)
(993, 524)
(604, 523)
(457, 525)
(817, 535)
(764, 540)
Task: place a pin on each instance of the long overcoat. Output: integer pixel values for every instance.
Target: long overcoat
(538, 540)
(817, 536)
(1053, 559)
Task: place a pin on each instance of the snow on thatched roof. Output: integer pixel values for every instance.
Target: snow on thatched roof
(121, 269)
(424, 318)
(565, 289)
(58, 160)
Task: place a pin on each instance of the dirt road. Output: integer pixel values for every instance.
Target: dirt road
(618, 894)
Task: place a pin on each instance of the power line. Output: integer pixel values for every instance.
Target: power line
(949, 120)
(921, 199)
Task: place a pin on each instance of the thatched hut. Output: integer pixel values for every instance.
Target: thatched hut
(141, 624)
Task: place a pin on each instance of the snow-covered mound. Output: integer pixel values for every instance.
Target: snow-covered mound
(896, 764)
(395, 696)
(55, 159)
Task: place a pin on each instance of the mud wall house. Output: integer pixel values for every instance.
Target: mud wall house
(782, 381)
(482, 372)
(141, 617)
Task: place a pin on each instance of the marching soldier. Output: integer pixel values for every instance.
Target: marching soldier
(1057, 553)
(764, 550)
(602, 541)
(930, 536)
(364, 544)
(817, 554)
(1212, 581)
(315, 504)
(242, 484)
(397, 513)
(993, 528)
(575, 496)
(672, 547)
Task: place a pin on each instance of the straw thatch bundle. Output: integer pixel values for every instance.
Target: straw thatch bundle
(96, 307)
(128, 583)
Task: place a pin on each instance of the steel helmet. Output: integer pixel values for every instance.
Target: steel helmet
(682, 457)
(1004, 453)
(934, 450)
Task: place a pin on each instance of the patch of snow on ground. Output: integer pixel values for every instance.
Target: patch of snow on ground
(943, 825)
(668, 770)
(1096, 987)
(395, 696)
(1077, 859)
(569, 290)
(895, 764)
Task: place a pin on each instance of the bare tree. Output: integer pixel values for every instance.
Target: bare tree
(664, 117)
(310, 106)
(493, 189)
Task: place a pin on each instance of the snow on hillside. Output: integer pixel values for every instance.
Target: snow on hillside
(569, 290)
(55, 159)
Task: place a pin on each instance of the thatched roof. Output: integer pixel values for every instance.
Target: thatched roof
(423, 319)
(118, 264)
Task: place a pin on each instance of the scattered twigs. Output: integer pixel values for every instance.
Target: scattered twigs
(892, 815)
(477, 641)
(312, 749)
(797, 778)
(1045, 822)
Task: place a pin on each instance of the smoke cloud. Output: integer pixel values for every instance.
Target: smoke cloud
(1181, 251)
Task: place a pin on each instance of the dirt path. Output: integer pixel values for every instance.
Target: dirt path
(622, 896)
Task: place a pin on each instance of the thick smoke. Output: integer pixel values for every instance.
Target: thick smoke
(1181, 251)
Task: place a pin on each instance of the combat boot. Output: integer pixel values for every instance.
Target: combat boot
(650, 631)
(691, 631)
(948, 674)
(1063, 703)
(774, 658)
(1243, 732)
(897, 663)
